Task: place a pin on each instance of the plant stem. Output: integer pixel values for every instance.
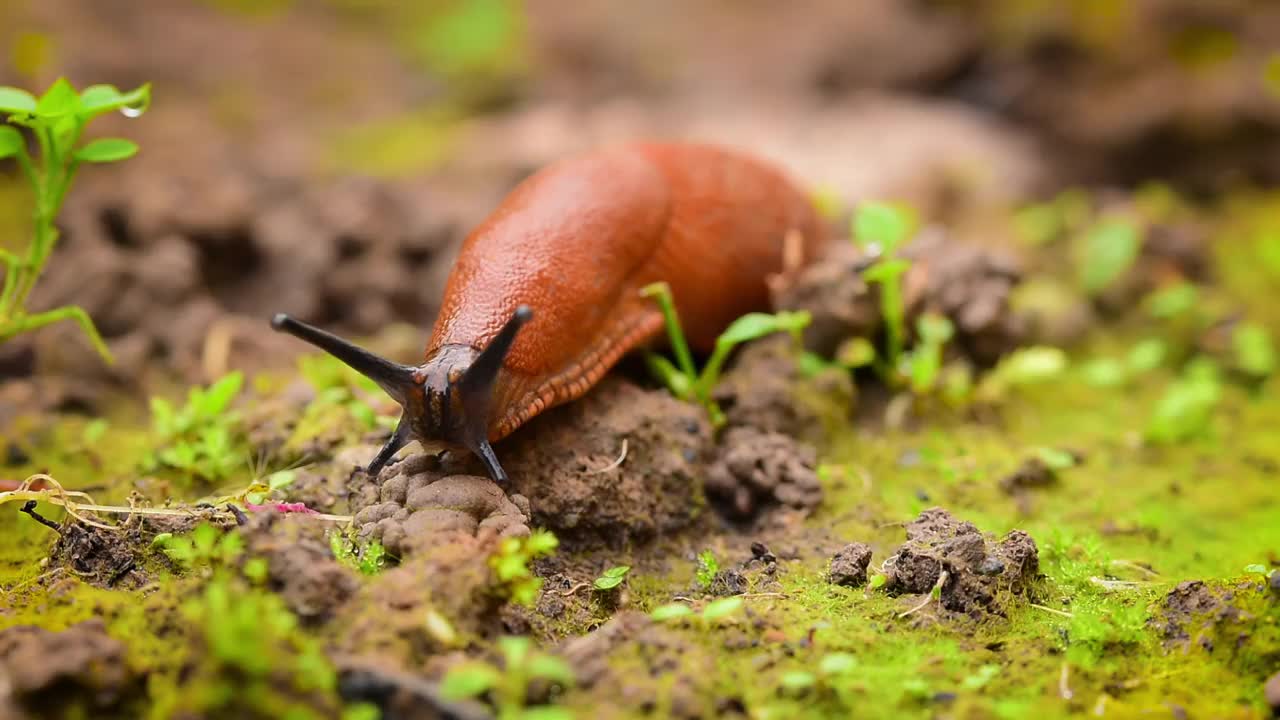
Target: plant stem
(661, 292)
(9, 327)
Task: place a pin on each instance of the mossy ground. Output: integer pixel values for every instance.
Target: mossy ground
(1116, 533)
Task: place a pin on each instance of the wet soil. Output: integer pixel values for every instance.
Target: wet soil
(46, 674)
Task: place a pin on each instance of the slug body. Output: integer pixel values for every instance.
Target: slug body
(567, 253)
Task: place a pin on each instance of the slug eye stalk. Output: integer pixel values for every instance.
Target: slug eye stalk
(458, 413)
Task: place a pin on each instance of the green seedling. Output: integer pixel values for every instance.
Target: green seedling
(1108, 250)
(925, 359)
(1025, 366)
(832, 677)
(708, 567)
(511, 565)
(713, 613)
(1185, 411)
(682, 378)
(368, 556)
(1045, 223)
(1255, 354)
(204, 547)
(508, 686)
(341, 404)
(57, 121)
(612, 577)
(881, 229)
(200, 438)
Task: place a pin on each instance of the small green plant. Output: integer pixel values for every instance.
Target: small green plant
(340, 406)
(708, 567)
(1186, 409)
(881, 229)
(511, 565)
(1255, 354)
(508, 686)
(684, 381)
(1107, 251)
(204, 547)
(612, 577)
(1025, 366)
(833, 672)
(57, 121)
(367, 556)
(199, 438)
(712, 613)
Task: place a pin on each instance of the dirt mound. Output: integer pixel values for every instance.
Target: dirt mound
(849, 565)
(970, 285)
(300, 564)
(622, 464)
(765, 390)
(64, 674)
(763, 478)
(415, 499)
(981, 574)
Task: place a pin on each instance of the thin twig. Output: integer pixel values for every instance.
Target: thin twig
(616, 463)
(1117, 584)
(1045, 608)
(574, 590)
(937, 588)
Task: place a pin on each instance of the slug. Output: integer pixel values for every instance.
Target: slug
(564, 257)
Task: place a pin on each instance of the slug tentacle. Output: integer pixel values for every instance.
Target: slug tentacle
(394, 379)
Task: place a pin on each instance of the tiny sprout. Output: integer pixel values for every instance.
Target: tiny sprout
(1256, 569)
(612, 577)
(1109, 249)
(1056, 459)
(721, 609)
(682, 378)
(877, 581)
(708, 567)
(57, 120)
(670, 611)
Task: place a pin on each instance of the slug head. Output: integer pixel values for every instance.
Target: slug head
(446, 400)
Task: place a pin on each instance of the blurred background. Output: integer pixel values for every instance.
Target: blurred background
(325, 157)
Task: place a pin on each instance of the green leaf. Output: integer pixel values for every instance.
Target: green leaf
(856, 353)
(838, 664)
(1110, 248)
(1056, 459)
(935, 328)
(1255, 353)
(99, 99)
(15, 100)
(1256, 568)
(220, 394)
(1105, 372)
(1187, 406)
(467, 680)
(1033, 364)
(541, 542)
(670, 611)
(722, 608)
(11, 142)
(59, 100)
(757, 325)
(886, 270)
(1147, 355)
(979, 679)
(668, 374)
(550, 667)
(1172, 301)
(105, 150)
(515, 650)
(877, 581)
(880, 225)
(612, 577)
(798, 681)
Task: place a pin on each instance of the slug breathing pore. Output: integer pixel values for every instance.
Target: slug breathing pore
(446, 400)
